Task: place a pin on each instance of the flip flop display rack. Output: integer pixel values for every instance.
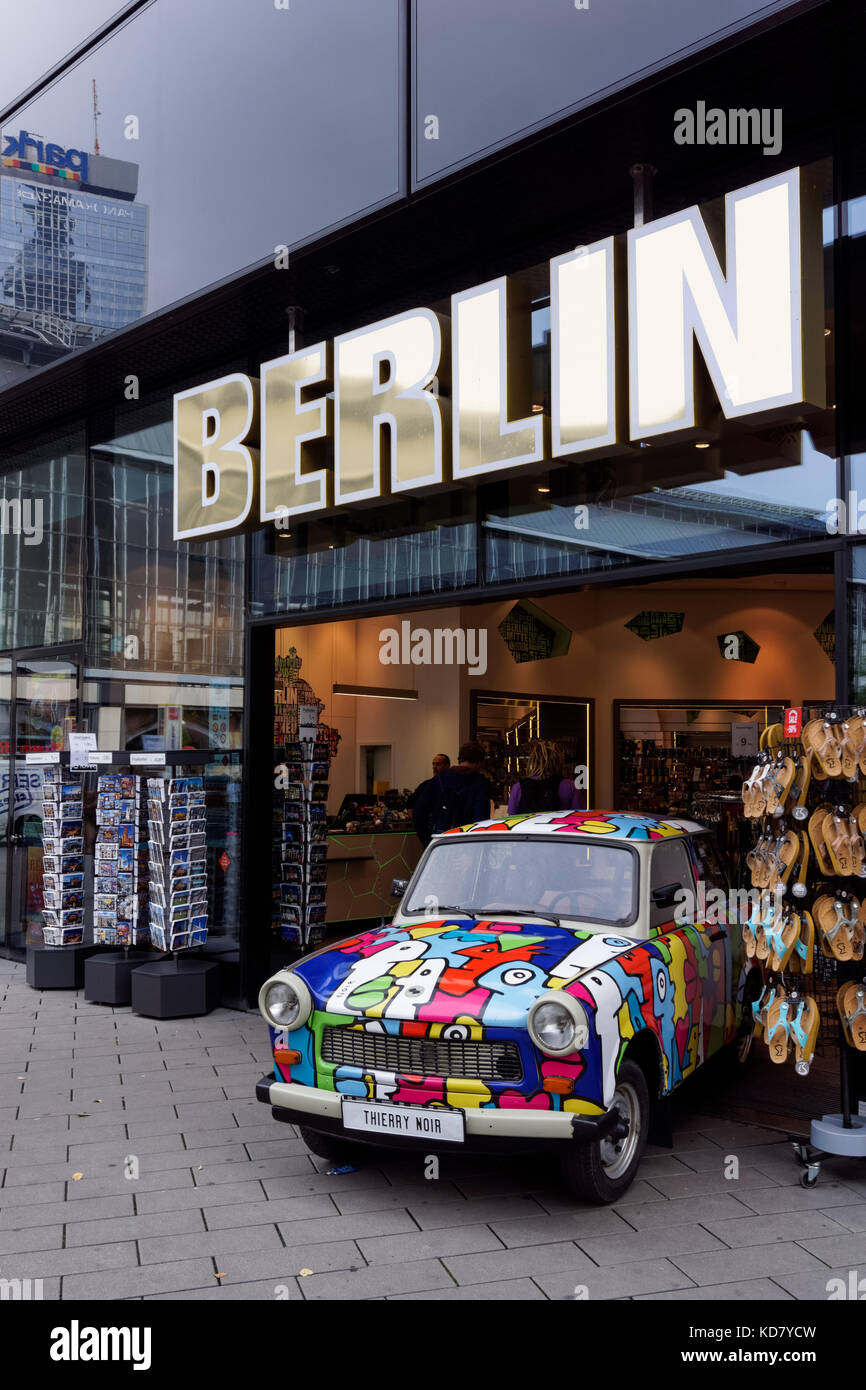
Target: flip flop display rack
(806, 796)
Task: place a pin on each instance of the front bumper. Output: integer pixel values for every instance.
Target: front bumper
(486, 1129)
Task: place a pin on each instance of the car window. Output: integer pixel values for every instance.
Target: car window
(712, 869)
(670, 865)
(565, 876)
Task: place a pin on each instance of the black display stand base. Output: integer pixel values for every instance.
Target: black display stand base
(107, 976)
(57, 967)
(175, 988)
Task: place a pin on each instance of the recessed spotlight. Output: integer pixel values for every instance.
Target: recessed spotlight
(537, 409)
(826, 332)
(702, 444)
(544, 489)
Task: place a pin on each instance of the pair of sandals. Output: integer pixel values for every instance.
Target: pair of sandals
(778, 784)
(773, 860)
(836, 747)
(851, 1003)
(780, 939)
(786, 1019)
(841, 924)
(838, 837)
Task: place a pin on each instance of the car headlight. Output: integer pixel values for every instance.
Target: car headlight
(558, 1025)
(285, 1001)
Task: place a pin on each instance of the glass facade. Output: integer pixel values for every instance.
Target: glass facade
(42, 544)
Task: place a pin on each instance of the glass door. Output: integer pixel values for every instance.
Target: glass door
(41, 708)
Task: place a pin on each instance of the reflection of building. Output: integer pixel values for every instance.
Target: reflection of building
(73, 257)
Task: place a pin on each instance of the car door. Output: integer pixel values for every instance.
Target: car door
(690, 995)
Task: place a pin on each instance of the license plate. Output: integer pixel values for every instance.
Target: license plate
(410, 1121)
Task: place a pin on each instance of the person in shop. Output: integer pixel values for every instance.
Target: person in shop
(456, 796)
(544, 788)
(441, 763)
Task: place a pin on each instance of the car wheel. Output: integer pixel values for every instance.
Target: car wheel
(602, 1171)
(328, 1146)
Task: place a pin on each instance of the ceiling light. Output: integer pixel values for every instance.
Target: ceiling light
(702, 444)
(373, 692)
(544, 489)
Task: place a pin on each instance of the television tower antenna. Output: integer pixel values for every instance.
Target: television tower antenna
(96, 114)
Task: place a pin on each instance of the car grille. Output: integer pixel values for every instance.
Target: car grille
(482, 1061)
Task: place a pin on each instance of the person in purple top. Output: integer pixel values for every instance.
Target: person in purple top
(544, 788)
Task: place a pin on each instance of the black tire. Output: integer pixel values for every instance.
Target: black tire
(601, 1172)
(329, 1146)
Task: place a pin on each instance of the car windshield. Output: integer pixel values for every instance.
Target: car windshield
(588, 881)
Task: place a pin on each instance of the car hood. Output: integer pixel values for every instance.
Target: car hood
(454, 969)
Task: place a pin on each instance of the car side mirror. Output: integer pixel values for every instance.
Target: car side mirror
(666, 896)
(398, 887)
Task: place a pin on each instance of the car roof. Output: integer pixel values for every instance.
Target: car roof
(602, 825)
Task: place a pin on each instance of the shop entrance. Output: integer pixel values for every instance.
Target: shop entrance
(509, 725)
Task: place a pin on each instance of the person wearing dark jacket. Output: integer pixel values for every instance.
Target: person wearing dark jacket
(456, 796)
(424, 790)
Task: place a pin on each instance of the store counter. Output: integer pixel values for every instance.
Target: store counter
(361, 865)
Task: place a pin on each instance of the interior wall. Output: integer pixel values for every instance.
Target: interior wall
(605, 661)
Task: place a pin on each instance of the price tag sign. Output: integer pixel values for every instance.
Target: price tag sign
(792, 721)
(96, 757)
(744, 739)
(42, 758)
(147, 759)
(308, 719)
(80, 748)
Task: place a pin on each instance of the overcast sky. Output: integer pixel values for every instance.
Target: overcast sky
(36, 35)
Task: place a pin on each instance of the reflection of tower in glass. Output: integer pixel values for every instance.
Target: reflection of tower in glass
(46, 275)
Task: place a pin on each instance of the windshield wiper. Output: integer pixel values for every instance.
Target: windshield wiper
(524, 912)
(416, 911)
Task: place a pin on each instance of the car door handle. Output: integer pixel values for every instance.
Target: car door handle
(718, 935)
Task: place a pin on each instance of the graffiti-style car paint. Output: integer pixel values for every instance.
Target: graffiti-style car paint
(435, 1010)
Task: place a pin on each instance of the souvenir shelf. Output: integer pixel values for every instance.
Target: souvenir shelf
(63, 857)
(177, 862)
(119, 868)
(807, 797)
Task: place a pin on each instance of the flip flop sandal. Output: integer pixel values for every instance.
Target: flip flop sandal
(761, 865)
(804, 1024)
(761, 1005)
(819, 739)
(764, 930)
(782, 942)
(833, 921)
(800, 888)
(803, 955)
(838, 841)
(800, 788)
(857, 936)
(822, 855)
(776, 1034)
(773, 736)
(851, 1003)
(785, 857)
(848, 751)
(750, 929)
(859, 814)
(858, 849)
(779, 784)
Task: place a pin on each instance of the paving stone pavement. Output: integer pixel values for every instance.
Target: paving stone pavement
(135, 1163)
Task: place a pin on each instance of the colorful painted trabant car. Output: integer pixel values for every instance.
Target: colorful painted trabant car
(539, 984)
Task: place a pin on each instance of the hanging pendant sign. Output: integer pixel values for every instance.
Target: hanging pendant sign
(744, 740)
(793, 723)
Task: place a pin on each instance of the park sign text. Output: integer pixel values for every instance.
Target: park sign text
(419, 401)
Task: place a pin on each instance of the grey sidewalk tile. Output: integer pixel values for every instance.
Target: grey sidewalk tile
(199, 1138)
(261, 1291)
(852, 1218)
(116, 1150)
(435, 1213)
(84, 1259)
(110, 1182)
(558, 1201)
(28, 1175)
(273, 1148)
(652, 1216)
(747, 1261)
(170, 1223)
(360, 1227)
(617, 1281)
(745, 1291)
(286, 1263)
(382, 1199)
(50, 1213)
(428, 1245)
(648, 1245)
(242, 1211)
(694, 1184)
(525, 1262)
(510, 1291)
(30, 1196)
(197, 1159)
(817, 1285)
(731, 1134)
(138, 1129)
(718, 1160)
(181, 1196)
(278, 1184)
(766, 1230)
(28, 1237)
(378, 1280)
(839, 1249)
(534, 1230)
(220, 1244)
(766, 1201)
(141, 1281)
